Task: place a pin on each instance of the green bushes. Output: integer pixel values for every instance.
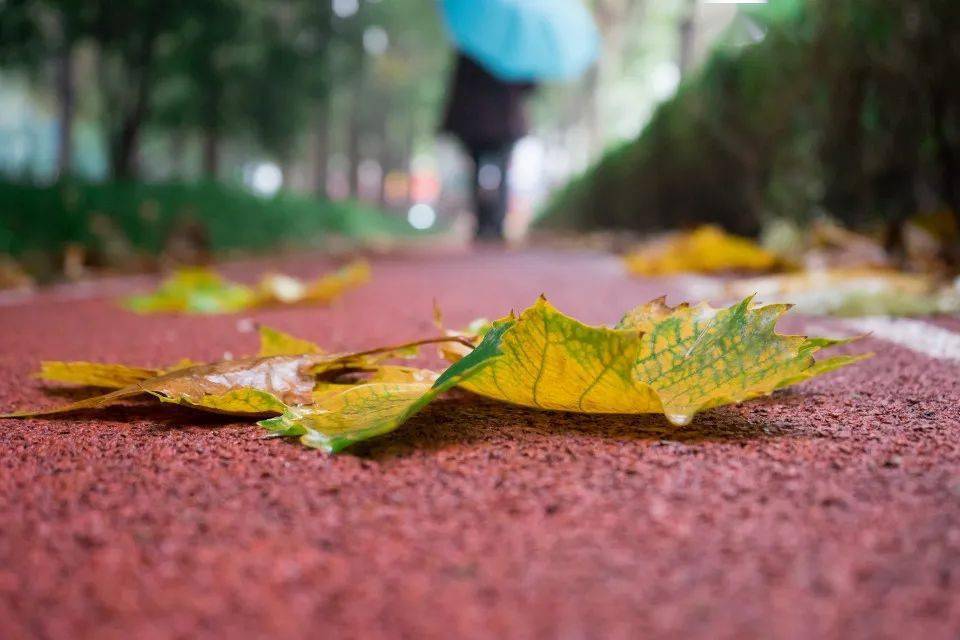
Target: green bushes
(846, 106)
(135, 218)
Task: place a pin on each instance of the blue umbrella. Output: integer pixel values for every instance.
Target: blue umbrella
(523, 40)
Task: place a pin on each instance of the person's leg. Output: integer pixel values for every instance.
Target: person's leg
(490, 191)
(479, 212)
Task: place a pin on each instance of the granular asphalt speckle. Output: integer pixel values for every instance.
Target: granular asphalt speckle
(829, 510)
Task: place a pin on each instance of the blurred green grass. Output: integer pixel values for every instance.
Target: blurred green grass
(140, 218)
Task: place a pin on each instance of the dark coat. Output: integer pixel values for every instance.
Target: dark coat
(484, 111)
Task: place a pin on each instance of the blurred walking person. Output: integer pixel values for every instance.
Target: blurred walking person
(504, 47)
(488, 115)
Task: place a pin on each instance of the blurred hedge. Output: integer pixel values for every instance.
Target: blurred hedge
(118, 223)
(849, 107)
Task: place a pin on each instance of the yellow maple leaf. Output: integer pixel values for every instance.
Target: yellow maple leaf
(658, 359)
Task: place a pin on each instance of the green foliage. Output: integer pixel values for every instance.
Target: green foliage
(145, 216)
(260, 76)
(846, 105)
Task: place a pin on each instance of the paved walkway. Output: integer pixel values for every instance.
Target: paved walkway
(829, 510)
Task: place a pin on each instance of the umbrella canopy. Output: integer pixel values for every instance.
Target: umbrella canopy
(525, 40)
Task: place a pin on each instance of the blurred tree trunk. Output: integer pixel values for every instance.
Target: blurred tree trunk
(688, 37)
(949, 164)
(949, 167)
(615, 18)
(66, 103)
(405, 164)
(124, 157)
(387, 152)
(354, 126)
(591, 109)
(211, 153)
(212, 131)
(385, 158)
(128, 95)
(321, 148)
(178, 153)
(847, 194)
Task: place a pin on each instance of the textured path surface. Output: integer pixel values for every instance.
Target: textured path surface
(829, 510)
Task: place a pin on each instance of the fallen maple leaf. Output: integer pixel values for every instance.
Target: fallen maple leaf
(204, 291)
(707, 249)
(657, 359)
(677, 361)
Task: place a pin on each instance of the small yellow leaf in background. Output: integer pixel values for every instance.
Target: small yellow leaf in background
(854, 292)
(194, 291)
(13, 275)
(328, 288)
(708, 249)
(204, 291)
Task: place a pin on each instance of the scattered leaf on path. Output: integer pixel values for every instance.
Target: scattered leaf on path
(193, 291)
(277, 289)
(256, 386)
(204, 291)
(708, 249)
(234, 386)
(854, 292)
(13, 276)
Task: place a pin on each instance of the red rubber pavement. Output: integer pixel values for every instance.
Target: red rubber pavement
(828, 510)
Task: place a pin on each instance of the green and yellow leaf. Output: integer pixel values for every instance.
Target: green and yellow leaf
(364, 411)
(676, 361)
(658, 359)
(193, 290)
(204, 291)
